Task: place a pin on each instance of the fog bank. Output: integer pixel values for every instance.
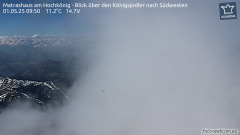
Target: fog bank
(151, 75)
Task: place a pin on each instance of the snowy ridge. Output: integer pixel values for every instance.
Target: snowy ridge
(33, 91)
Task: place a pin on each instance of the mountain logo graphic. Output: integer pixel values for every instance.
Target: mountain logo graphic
(228, 10)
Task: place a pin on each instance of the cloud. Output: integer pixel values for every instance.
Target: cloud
(152, 74)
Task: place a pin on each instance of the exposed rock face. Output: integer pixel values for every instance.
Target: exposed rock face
(37, 93)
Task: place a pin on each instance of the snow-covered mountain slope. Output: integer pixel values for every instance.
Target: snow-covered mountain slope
(40, 93)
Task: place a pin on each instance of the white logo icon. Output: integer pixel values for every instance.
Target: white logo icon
(228, 9)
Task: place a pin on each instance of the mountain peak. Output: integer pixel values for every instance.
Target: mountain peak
(42, 93)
